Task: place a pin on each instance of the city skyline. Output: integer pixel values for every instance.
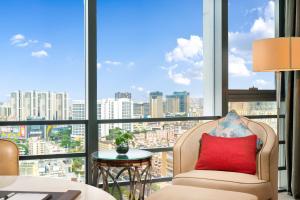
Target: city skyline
(56, 139)
(48, 105)
(47, 48)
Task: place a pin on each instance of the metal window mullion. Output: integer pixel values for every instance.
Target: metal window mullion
(279, 32)
(221, 57)
(90, 34)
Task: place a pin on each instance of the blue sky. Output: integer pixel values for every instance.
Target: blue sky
(143, 45)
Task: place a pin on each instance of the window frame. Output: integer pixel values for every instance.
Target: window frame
(217, 73)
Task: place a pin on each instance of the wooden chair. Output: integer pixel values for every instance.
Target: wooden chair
(9, 158)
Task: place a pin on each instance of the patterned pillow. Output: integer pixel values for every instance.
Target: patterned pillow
(233, 126)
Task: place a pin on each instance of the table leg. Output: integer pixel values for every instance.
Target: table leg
(147, 180)
(139, 179)
(98, 177)
(131, 186)
(115, 181)
(103, 173)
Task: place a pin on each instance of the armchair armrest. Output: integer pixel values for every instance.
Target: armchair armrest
(267, 159)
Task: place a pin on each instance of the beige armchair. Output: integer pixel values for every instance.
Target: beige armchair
(9, 158)
(263, 184)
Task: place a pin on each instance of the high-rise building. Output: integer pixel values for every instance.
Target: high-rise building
(106, 109)
(61, 107)
(146, 109)
(156, 104)
(184, 101)
(140, 110)
(121, 95)
(15, 105)
(38, 104)
(4, 111)
(115, 109)
(123, 109)
(78, 113)
(172, 104)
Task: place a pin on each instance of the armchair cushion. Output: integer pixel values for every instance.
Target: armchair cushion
(227, 154)
(231, 181)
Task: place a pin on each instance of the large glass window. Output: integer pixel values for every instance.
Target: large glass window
(42, 73)
(149, 65)
(150, 59)
(248, 21)
(42, 59)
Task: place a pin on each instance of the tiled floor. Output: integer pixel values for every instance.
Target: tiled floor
(284, 196)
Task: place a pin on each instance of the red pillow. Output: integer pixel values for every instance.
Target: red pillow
(227, 154)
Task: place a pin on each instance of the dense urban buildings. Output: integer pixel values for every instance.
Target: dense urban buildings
(41, 139)
(25, 105)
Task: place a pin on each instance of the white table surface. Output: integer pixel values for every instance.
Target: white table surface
(28, 183)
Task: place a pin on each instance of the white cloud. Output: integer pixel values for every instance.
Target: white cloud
(186, 50)
(237, 66)
(20, 40)
(178, 77)
(240, 53)
(17, 38)
(263, 27)
(99, 65)
(22, 44)
(260, 83)
(47, 45)
(39, 54)
(187, 59)
(110, 62)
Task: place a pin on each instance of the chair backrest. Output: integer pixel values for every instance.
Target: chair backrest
(9, 158)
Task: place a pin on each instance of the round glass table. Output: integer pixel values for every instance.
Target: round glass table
(135, 166)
